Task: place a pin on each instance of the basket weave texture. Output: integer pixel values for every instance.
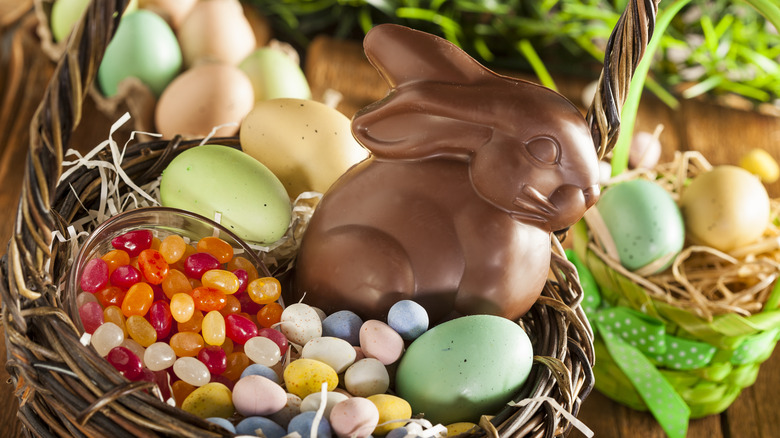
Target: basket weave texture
(67, 389)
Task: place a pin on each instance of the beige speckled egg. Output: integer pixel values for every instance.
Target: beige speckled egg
(216, 30)
(203, 97)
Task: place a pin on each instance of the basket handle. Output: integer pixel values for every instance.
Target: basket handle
(50, 130)
(624, 50)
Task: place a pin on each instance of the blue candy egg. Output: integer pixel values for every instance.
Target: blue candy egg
(343, 324)
(227, 425)
(408, 318)
(302, 422)
(249, 425)
(257, 369)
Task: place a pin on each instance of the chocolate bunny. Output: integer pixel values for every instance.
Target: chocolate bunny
(469, 173)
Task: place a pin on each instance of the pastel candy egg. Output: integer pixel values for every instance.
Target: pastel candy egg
(313, 401)
(464, 368)
(645, 224)
(760, 163)
(300, 323)
(303, 422)
(275, 75)
(343, 324)
(408, 318)
(337, 353)
(257, 369)
(305, 376)
(393, 410)
(210, 400)
(222, 422)
(356, 417)
(288, 412)
(212, 178)
(251, 425)
(367, 377)
(256, 395)
(380, 341)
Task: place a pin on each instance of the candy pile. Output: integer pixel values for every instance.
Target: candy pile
(198, 321)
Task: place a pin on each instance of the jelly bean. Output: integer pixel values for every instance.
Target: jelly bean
(288, 412)
(264, 290)
(172, 248)
(159, 356)
(276, 336)
(313, 401)
(239, 328)
(335, 352)
(125, 276)
(257, 369)
(192, 371)
(181, 390)
(210, 400)
(380, 341)
(223, 423)
(135, 347)
(270, 315)
(302, 424)
(127, 363)
(187, 344)
(247, 402)
(116, 258)
(237, 362)
(133, 242)
(91, 315)
(221, 250)
(367, 377)
(305, 376)
(198, 263)
(213, 328)
(188, 251)
(300, 323)
(243, 279)
(194, 283)
(176, 282)
(110, 296)
(221, 280)
(95, 276)
(243, 263)
(194, 324)
(263, 351)
(153, 266)
(343, 324)
(227, 345)
(106, 337)
(247, 305)
(391, 409)
(161, 318)
(159, 294)
(267, 428)
(182, 307)
(140, 330)
(408, 318)
(84, 298)
(163, 381)
(232, 305)
(214, 358)
(356, 417)
(208, 299)
(138, 300)
(114, 314)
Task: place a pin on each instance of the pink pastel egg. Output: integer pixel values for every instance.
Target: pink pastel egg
(356, 417)
(380, 341)
(258, 395)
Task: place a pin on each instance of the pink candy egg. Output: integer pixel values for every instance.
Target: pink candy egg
(356, 417)
(258, 395)
(380, 341)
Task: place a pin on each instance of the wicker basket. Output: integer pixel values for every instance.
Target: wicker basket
(67, 389)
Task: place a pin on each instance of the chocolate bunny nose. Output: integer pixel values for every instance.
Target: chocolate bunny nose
(591, 195)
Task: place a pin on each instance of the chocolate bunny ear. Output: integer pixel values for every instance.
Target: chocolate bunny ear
(418, 119)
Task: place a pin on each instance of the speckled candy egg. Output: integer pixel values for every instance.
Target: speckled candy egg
(210, 400)
(464, 368)
(644, 222)
(380, 341)
(300, 323)
(306, 376)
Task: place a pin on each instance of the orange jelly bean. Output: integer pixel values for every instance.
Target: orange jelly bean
(141, 330)
(116, 258)
(194, 283)
(269, 315)
(180, 390)
(213, 328)
(176, 282)
(182, 307)
(232, 305)
(221, 280)
(138, 300)
(227, 346)
(172, 248)
(240, 262)
(237, 362)
(188, 251)
(114, 314)
(153, 266)
(208, 299)
(187, 344)
(221, 250)
(156, 243)
(194, 324)
(110, 296)
(264, 290)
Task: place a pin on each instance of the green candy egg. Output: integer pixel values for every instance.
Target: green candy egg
(212, 179)
(144, 47)
(464, 368)
(644, 222)
(274, 75)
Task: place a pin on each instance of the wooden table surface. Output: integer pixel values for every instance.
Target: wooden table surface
(723, 134)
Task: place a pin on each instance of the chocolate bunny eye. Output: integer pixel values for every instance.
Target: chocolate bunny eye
(544, 149)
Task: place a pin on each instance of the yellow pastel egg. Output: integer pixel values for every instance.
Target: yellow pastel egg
(391, 409)
(462, 427)
(210, 400)
(305, 376)
(761, 163)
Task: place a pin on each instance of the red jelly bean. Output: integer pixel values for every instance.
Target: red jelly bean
(239, 328)
(133, 242)
(198, 263)
(161, 319)
(110, 296)
(243, 280)
(163, 382)
(247, 304)
(91, 315)
(95, 275)
(276, 336)
(146, 375)
(125, 361)
(153, 266)
(159, 293)
(208, 299)
(125, 276)
(214, 357)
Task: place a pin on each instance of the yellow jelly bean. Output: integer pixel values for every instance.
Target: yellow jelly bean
(182, 307)
(761, 163)
(305, 376)
(210, 400)
(264, 290)
(221, 280)
(213, 328)
(172, 248)
(391, 408)
(141, 330)
(114, 314)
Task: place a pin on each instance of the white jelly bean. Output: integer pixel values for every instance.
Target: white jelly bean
(159, 356)
(106, 337)
(263, 351)
(337, 353)
(192, 371)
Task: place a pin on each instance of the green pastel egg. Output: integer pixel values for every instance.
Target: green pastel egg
(644, 222)
(144, 47)
(464, 368)
(274, 75)
(212, 179)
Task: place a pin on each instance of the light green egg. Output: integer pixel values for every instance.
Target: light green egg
(465, 368)
(212, 178)
(274, 75)
(144, 47)
(644, 222)
(65, 14)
